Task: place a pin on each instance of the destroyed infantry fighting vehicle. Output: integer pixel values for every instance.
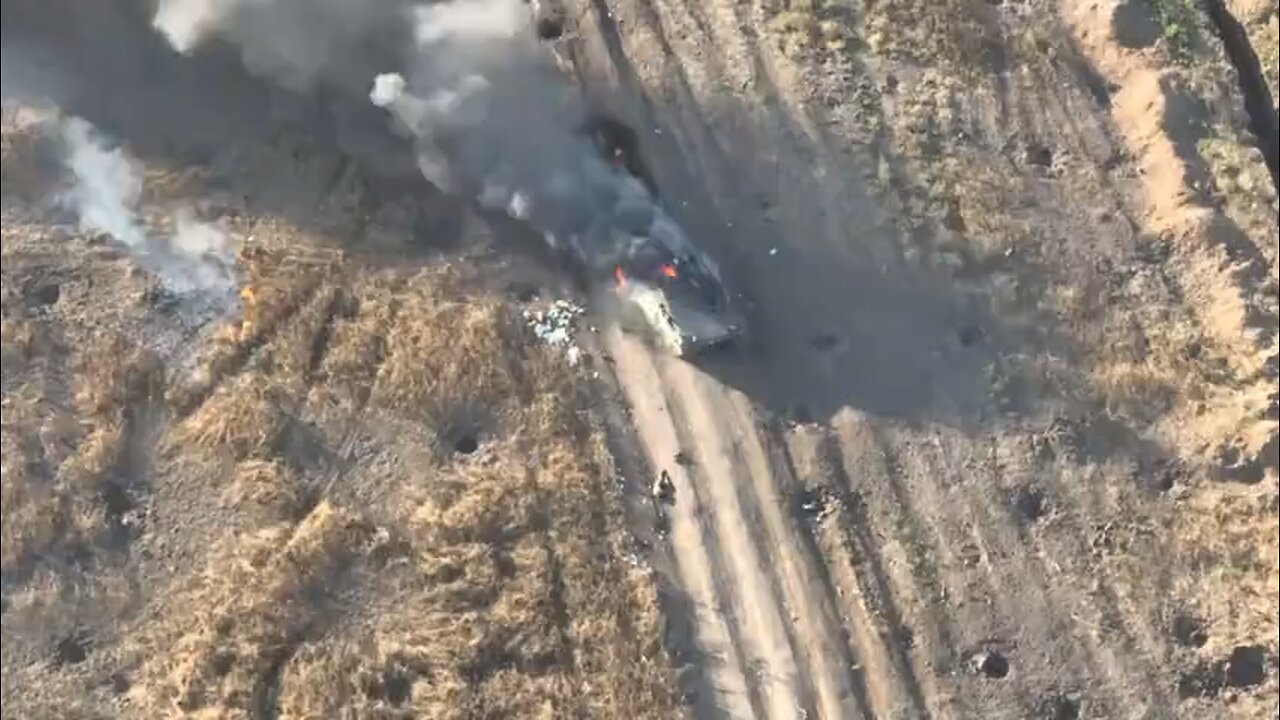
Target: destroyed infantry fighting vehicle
(594, 211)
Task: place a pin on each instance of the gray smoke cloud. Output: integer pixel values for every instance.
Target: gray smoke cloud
(105, 191)
(488, 111)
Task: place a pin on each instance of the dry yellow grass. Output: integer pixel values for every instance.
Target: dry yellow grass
(244, 616)
(484, 585)
(243, 417)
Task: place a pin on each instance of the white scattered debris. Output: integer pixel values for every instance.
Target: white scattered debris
(773, 251)
(557, 326)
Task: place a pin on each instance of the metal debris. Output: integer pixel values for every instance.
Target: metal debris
(557, 326)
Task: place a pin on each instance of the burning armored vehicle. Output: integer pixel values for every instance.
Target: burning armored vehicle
(597, 213)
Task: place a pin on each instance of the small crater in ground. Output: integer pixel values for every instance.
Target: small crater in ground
(1204, 680)
(1133, 26)
(120, 682)
(222, 662)
(1246, 666)
(71, 650)
(1040, 155)
(550, 28)
(466, 443)
(116, 498)
(970, 335)
(1029, 504)
(1058, 707)
(811, 504)
(1188, 631)
(45, 294)
(992, 664)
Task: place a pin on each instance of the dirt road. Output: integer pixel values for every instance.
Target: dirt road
(904, 501)
(1002, 443)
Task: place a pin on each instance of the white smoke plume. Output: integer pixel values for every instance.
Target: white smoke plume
(490, 114)
(107, 185)
(105, 193)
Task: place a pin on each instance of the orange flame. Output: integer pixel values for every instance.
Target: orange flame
(669, 271)
(620, 276)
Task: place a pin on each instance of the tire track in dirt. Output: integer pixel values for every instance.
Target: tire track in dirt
(856, 574)
(693, 557)
(746, 587)
(823, 640)
(715, 437)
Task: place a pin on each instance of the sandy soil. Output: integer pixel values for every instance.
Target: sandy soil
(1002, 443)
(976, 241)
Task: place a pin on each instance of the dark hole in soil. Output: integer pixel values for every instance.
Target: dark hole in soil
(550, 28)
(116, 498)
(222, 662)
(120, 682)
(223, 627)
(823, 342)
(397, 686)
(1247, 666)
(1029, 503)
(969, 335)
(71, 650)
(466, 443)
(1058, 707)
(1188, 631)
(992, 664)
(1133, 25)
(1038, 154)
(46, 294)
